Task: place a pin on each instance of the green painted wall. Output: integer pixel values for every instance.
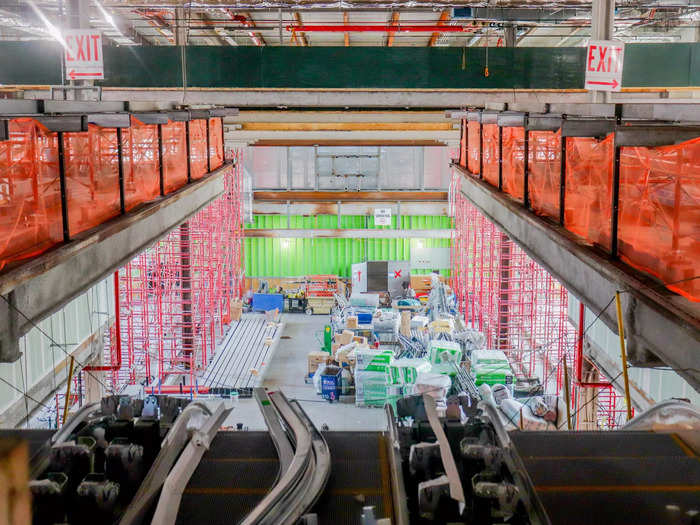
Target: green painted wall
(662, 65)
(266, 257)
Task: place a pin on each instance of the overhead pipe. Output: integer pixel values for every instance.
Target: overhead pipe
(118, 336)
(398, 28)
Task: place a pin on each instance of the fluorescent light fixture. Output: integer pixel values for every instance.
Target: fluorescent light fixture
(52, 29)
(106, 15)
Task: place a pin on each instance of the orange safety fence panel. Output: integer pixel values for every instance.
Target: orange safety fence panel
(544, 172)
(92, 177)
(463, 145)
(490, 152)
(30, 192)
(474, 146)
(174, 136)
(588, 188)
(198, 148)
(216, 145)
(140, 160)
(659, 214)
(513, 163)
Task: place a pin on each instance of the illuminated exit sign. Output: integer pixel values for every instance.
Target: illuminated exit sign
(83, 54)
(604, 61)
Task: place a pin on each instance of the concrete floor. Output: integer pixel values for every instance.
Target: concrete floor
(286, 372)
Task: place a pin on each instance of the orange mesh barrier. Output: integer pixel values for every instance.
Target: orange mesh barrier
(216, 146)
(198, 149)
(659, 221)
(490, 153)
(30, 192)
(140, 161)
(513, 167)
(588, 190)
(174, 136)
(463, 145)
(92, 177)
(544, 169)
(474, 146)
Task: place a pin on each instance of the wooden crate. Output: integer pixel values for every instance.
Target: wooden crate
(15, 499)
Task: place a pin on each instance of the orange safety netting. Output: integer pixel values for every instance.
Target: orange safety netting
(463, 145)
(588, 189)
(659, 214)
(174, 135)
(216, 144)
(92, 177)
(140, 160)
(30, 192)
(490, 153)
(513, 163)
(474, 146)
(544, 169)
(198, 149)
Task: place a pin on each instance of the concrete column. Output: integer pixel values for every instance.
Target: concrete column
(78, 17)
(180, 27)
(602, 28)
(509, 35)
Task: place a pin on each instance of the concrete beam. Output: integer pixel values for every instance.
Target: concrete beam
(41, 286)
(350, 234)
(351, 196)
(659, 325)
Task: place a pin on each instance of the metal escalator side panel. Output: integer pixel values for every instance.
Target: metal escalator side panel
(398, 491)
(536, 511)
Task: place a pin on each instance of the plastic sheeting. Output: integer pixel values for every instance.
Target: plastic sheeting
(473, 146)
(216, 144)
(30, 194)
(544, 172)
(92, 177)
(140, 161)
(659, 221)
(513, 162)
(198, 149)
(174, 136)
(491, 154)
(588, 189)
(463, 144)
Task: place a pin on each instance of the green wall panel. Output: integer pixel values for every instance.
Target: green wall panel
(355, 67)
(276, 257)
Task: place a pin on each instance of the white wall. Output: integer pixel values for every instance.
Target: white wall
(41, 356)
(649, 385)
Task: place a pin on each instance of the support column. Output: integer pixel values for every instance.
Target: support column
(78, 17)
(509, 35)
(602, 28)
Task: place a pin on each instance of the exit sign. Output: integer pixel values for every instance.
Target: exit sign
(604, 61)
(83, 54)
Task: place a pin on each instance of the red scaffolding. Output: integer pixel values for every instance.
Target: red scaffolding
(518, 306)
(175, 298)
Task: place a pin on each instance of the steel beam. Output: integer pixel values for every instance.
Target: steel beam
(349, 234)
(38, 288)
(348, 196)
(659, 325)
(348, 208)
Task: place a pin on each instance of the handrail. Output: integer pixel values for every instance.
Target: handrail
(285, 453)
(268, 510)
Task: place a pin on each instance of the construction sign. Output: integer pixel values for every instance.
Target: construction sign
(83, 54)
(604, 61)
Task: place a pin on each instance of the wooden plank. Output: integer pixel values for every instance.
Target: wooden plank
(347, 126)
(15, 500)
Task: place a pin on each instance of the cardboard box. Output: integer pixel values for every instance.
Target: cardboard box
(334, 348)
(236, 309)
(351, 321)
(315, 359)
(360, 340)
(405, 326)
(344, 337)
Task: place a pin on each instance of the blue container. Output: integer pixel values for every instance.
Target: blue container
(330, 384)
(364, 318)
(263, 302)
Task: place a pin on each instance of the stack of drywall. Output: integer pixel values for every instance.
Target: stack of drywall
(491, 367)
(375, 377)
(445, 356)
